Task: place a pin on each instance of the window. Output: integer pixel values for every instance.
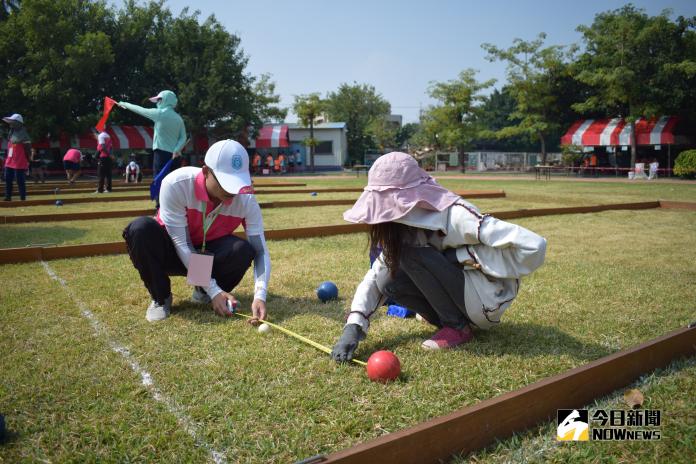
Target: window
(324, 148)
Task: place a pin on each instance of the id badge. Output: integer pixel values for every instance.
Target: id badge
(200, 269)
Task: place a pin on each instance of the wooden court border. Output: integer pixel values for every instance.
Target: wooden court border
(472, 428)
(109, 197)
(70, 189)
(38, 253)
(88, 215)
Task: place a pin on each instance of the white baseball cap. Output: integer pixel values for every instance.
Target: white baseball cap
(15, 117)
(229, 162)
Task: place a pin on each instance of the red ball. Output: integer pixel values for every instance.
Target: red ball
(383, 366)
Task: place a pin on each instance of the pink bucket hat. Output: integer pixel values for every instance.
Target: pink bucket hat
(396, 185)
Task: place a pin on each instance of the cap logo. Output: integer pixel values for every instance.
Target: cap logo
(237, 162)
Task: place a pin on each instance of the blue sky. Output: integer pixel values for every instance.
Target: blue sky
(397, 46)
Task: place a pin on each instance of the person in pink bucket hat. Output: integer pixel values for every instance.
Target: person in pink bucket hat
(459, 269)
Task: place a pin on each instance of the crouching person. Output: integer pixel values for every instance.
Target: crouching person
(441, 257)
(191, 235)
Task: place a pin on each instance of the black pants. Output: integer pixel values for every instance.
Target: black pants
(430, 285)
(153, 254)
(160, 158)
(10, 175)
(104, 168)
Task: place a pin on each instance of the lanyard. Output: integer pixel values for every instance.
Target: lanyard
(207, 224)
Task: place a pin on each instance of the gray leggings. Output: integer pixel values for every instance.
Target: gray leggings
(430, 285)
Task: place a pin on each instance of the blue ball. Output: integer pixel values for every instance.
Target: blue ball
(59, 202)
(327, 291)
(314, 194)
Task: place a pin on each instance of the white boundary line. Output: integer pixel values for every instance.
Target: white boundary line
(146, 378)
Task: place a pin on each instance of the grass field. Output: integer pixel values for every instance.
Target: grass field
(86, 378)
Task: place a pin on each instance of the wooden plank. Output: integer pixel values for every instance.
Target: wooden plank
(80, 251)
(18, 219)
(102, 197)
(304, 232)
(21, 219)
(20, 255)
(475, 427)
(42, 189)
(574, 210)
(678, 205)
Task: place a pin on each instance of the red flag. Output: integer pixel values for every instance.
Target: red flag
(108, 104)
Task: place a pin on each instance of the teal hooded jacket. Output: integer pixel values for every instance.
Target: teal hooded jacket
(170, 133)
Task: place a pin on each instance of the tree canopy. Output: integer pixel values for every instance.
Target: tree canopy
(361, 107)
(61, 57)
(455, 122)
(638, 65)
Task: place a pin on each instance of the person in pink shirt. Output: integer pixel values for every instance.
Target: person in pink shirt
(17, 161)
(71, 164)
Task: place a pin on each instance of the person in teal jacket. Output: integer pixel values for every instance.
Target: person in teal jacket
(170, 133)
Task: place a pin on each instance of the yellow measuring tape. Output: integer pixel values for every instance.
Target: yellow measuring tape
(299, 337)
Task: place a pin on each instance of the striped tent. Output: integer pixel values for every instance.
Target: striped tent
(273, 136)
(122, 137)
(616, 132)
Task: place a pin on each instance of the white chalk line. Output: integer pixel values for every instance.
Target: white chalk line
(146, 378)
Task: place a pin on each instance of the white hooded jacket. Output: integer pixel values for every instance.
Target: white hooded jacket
(494, 254)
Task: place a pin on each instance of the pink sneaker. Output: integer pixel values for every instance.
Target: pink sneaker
(447, 337)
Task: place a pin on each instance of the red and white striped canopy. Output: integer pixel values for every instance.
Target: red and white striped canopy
(613, 132)
(122, 137)
(273, 136)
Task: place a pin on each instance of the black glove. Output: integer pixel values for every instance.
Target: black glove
(346, 345)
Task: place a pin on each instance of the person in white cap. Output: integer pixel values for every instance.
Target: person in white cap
(170, 132)
(200, 208)
(132, 173)
(17, 161)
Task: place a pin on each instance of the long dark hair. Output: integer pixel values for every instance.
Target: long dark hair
(390, 237)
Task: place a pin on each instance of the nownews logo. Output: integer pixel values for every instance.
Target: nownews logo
(608, 425)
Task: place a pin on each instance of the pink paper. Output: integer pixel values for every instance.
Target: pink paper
(200, 269)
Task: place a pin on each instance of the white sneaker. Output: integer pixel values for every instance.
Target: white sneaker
(156, 312)
(199, 296)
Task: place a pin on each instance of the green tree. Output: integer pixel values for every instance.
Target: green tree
(362, 109)
(7, 7)
(638, 66)
(307, 108)
(405, 135)
(455, 122)
(534, 76)
(52, 54)
(61, 57)
(495, 115)
(201, 62)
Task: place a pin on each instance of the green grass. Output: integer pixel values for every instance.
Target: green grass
(670, 390)
(611, 280)
(521, 194)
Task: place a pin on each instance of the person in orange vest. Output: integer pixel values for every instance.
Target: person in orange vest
(257, 163)
(269, 163)
(283, 164)
(276, 166)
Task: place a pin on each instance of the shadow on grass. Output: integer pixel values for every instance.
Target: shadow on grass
(279, 309)
(517, 339)
(19, 235)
